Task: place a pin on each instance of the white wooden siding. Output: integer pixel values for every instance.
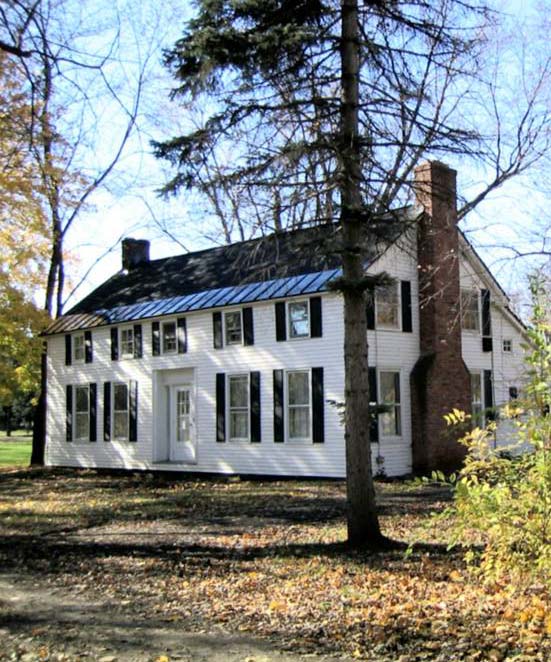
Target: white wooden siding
(388, 350)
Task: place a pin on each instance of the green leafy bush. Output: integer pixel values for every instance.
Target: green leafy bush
(503, 496)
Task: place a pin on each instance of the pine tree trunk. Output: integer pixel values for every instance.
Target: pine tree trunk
(363, 523)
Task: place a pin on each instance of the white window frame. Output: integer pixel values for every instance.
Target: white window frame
(239, 312)
(79, 359)
(114, 411)
(288, 406)
(389, 327)
(229, 408)
(289, 321)
(477, 416)
(474, 293)
(122, 354)
(86, 436)
(162, 339)
(397, 405)
(507, 349)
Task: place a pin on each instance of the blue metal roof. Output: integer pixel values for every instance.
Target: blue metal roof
(219, 297)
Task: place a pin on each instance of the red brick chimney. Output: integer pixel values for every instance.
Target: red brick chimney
(440, 380)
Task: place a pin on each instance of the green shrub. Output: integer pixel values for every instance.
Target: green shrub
(502, 497)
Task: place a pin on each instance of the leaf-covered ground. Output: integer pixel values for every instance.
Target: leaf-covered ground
(266, 558)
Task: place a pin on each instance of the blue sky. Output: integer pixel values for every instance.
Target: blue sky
(130, 205)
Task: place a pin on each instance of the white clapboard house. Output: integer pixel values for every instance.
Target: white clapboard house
(228, 360)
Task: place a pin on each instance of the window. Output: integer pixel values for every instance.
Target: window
(298, 404)
(507, 345)
(470, 316)
(238, 387)
(233, 327)
(170, 342)
(120, 411)
(78, 348)
(387, 306)
(391, 420)
(299, 319)
(82, 413)
(476, 398)
(127, 342)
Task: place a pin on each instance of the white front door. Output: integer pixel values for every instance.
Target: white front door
(182, 424)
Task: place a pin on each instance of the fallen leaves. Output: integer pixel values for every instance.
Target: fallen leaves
(267, 558)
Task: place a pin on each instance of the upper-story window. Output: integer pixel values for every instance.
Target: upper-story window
(507, 345)
(470, 311)
(170, 339)
(127, 342)
(233, 327)
(79, 351)
(387, 306)
(299, 319)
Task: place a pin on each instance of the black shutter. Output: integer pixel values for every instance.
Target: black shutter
(114, 344)
(68, 350)
(373, 416)
(69, 413)
(217, 330)
(248, 327)
(315, 317)
(88, 350)
(133, 411)
(107, 411)
(182, 335)
(370, 307)
(93, 394)
(279, 420)
(487, 344)
(254, 394)
(318, 420)
(407, 326)
(155, 338)
(220, 406)
(488, 396)
(281, 325)
(138, 344)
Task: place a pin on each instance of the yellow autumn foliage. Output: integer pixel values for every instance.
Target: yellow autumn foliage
(24, 241)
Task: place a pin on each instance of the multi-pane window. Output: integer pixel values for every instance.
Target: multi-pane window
(234, 328)
(470, 316)
(298, 404)
(476, 398)
(390, 420)
(82, 413)
(120, 411)
(170, 344)
(507, 345)
(387, 306)
(78, 348)
(238, 387)
(299, 319)
(127, 342)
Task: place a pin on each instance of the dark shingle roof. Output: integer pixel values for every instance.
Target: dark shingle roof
(279, 265)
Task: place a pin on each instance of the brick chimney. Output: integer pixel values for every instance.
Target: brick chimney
(134, 252)
(440, 380)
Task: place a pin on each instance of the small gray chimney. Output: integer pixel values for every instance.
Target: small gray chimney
(134, 252)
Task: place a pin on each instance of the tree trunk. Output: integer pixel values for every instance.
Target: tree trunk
(7, 420)
(363, 523)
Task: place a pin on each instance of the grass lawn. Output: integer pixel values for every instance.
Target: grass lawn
(15, 450)
(267, 558)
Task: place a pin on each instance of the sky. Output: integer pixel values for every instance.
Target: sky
(130, 204)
